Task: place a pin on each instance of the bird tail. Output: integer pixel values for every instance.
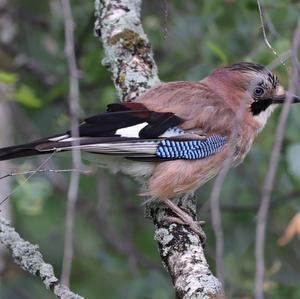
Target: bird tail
(18, 151)
(120, 146)
(126, 147)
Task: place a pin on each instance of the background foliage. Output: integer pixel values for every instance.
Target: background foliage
(115, 255)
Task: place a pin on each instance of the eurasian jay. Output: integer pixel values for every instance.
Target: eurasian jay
(178, 134)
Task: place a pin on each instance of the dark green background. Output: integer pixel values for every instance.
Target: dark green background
(115, 255)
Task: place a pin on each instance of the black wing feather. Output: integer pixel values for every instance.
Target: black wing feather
(120, 116)
(159, 123)
(103, 126)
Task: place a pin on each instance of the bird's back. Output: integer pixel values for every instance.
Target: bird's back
(205, 113)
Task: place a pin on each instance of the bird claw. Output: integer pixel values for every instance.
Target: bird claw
(185, 219)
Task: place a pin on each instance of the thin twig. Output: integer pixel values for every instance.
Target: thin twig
(166, 18)
(74, 99)
(27, 179)
(278, 61)
(216, 192)
(261, 16)
(13, 174)
(217, 218)
(270, 178)
(116, 241)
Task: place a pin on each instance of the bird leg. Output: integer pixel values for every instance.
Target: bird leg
(185, 219)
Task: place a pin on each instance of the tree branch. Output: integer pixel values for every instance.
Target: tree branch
(128, 54)
(129, 57)
(31, 260)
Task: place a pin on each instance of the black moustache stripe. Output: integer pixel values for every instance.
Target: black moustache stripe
(260, 105)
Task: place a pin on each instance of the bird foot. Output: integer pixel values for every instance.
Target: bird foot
(185, 219)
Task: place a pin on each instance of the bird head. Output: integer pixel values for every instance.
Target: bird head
(255, 84)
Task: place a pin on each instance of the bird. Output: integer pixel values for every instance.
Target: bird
(177, 135)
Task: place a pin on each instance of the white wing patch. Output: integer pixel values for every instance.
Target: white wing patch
(132, 131)
(70, 139)
(59, 138)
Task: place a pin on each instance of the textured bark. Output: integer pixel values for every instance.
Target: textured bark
(128, 55)
(27, 256)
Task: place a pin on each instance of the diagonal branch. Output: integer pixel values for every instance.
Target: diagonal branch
(31, 260)
(129, 57)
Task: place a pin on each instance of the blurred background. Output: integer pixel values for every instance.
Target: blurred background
(115, 254)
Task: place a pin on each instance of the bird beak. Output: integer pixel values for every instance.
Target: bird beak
(282, 98)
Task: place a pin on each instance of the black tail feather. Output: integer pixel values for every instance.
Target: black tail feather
(18, 151)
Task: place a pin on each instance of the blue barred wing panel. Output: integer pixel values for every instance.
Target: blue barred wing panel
(190, 149)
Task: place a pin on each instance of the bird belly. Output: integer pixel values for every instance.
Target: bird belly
(175, 178)
(138, 170)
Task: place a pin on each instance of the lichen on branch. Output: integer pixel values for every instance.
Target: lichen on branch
(28, 257)
(128, 54)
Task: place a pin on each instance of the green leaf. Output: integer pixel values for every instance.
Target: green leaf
(293, 159)
(8, 78)
(217, 51)
(26, 96)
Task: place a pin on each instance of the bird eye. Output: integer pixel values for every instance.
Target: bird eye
(258, 91)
